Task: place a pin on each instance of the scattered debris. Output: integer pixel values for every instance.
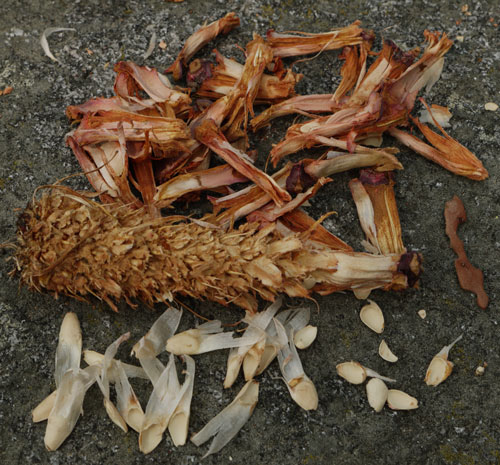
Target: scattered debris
(152, 43)
(378, 214)
(490, 106)
(46, 34)
(440, 367)
(469, 277)
(287, 45)
(7, 90)
(481, 369)
(436, 113)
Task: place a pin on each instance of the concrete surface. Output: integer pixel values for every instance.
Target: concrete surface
(456, 423)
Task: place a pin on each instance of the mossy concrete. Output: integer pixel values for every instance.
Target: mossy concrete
(456, 423)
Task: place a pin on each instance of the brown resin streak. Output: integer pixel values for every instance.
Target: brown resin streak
(469, 277)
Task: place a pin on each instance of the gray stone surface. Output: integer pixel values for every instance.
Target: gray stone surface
(456, 423)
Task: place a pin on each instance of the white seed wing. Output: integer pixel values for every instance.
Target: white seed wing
(262, 319)
(252, 358)
(257, 326)
(109, 355)
(164, 390)
(300, 386)
(289, 360)
(153, 342)
(210, 327)
(275, 340)
(69, 347)
(373, 374)
(234, 361)
(446, 349)
(103, 382)
(295, 318)
(92, 357)
(153, 368)
(225, 341)
(227, 423)
(42, 410)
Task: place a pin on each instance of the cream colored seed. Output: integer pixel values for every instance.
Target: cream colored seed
(399, 400)
(440, 367)
(371, 315)
(491, 106)
(304, 337)
(386, 353)
(353, 372)
(356, 373)
(304, 393)
(422, 314)
(377, 392)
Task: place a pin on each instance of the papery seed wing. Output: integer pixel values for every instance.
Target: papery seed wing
(42, 410)
(153, 368)
(276, 339)
(295, 318)
(92, 357)
(69, 348)
(153, 342)
(227, 423)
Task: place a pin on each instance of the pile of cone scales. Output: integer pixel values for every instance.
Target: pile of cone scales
(154, 144)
